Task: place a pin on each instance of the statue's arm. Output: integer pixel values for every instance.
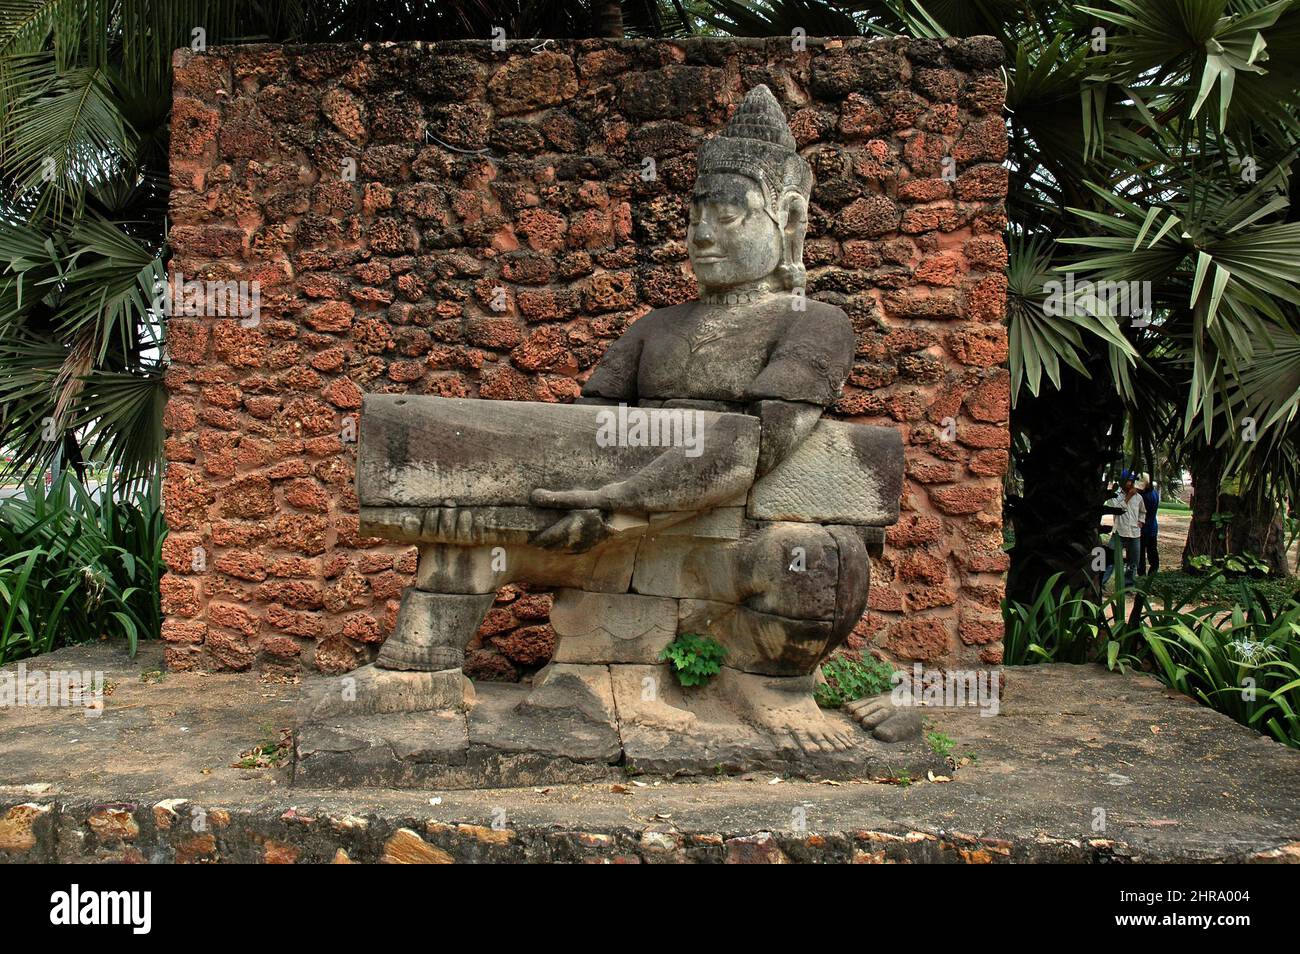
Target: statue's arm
(785, 424)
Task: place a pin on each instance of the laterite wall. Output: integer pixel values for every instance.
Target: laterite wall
(477, 170)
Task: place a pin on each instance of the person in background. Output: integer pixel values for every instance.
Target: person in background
(1150, 560)
(1127, 538)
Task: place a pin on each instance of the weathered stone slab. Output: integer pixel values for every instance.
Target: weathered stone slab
(385, 750)
(423, 451)
(568, 713)
(612, 627)
(371, 690)
(841, 473)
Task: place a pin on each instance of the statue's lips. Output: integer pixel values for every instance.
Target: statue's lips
(709, 259)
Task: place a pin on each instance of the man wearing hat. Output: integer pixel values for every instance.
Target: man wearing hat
(1127, 538)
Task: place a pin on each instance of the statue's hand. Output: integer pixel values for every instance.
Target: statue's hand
(575, 532)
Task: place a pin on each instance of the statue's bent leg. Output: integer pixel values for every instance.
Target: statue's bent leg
(433, 630)
(455, 587)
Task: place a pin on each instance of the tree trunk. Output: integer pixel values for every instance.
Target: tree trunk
(609, 21)
(1068, 436)
(1227, 523)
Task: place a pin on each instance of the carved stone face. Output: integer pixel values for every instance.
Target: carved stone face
(731, 239)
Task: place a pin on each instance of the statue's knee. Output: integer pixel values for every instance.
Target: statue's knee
(794, 571)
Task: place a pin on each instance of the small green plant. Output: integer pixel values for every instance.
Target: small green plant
(848, 679)
(272, 753)
(1231, 565)
(695, 659)
(940, 744)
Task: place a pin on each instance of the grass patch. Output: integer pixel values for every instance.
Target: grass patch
(1215, 589)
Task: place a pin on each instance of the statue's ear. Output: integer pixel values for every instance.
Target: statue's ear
(794, 223)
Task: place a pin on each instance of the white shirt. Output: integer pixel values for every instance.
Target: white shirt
(1129, 523)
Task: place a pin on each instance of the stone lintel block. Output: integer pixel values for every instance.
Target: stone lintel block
(424, 451)
(720, 523)
(841, 473)
(446, 568)
(612, 627)
(468, 526)
(497, 525)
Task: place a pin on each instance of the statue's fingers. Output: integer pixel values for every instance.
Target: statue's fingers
(565, 499)
(555, 536)
(465, 525)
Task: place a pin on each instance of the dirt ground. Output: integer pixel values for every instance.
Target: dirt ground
(1068, 745)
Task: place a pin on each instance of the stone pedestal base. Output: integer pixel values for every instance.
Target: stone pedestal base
(585, 723)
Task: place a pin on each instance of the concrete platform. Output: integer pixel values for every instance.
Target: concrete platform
(495, 745)
(1080, 765)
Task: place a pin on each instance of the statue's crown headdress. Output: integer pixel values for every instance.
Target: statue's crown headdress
(757, 143)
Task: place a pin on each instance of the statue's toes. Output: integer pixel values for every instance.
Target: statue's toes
(841, 739)
(787, 744)
(808, 741)
(876, 716)
(860, 708)
(902, 724)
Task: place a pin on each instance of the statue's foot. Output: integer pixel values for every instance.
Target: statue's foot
(371, 690)
(784, 707)
(885, 719)
(648, 696)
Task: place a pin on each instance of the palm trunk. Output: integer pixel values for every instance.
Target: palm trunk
(609, 21)
(1067, 437)
(1226, 523)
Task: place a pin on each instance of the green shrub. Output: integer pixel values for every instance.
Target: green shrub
(1244, 663)
(848, 679)
(1215, 586)
(695, 659)
(1061, 625)
(73, 570)
(1239, 656)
